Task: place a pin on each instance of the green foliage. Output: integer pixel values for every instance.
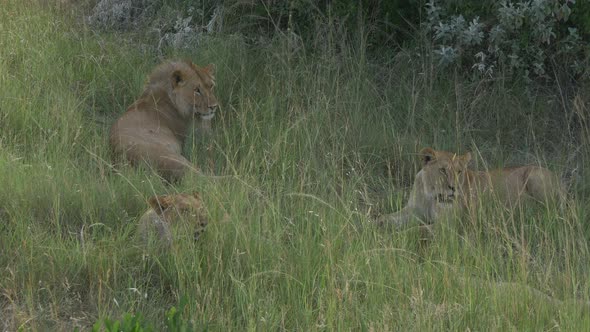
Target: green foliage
(136, 323)
(580, 17)
(384, 22)
(390, 21)
(129, 323)
(521, 38)
(174, 320)
(468, 8)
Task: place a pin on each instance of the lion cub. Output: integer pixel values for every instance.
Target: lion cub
(445, 185)
(154, 127)
(167, 211)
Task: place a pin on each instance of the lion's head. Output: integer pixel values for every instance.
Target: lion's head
(168, 211)
(189, 87)
(444, 174)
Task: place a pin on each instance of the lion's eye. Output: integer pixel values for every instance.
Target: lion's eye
(198, 91)
(443, 170)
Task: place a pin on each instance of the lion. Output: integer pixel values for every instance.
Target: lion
(445, 186)
(168, 211)
(154, 127)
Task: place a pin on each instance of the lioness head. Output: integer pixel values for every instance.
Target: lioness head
(166, 211)
(189, 86)
(444, 174)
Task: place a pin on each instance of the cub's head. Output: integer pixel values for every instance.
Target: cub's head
(181, 211)
(444, 174)
(189, 86)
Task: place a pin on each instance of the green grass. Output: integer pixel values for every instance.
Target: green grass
(311, 146)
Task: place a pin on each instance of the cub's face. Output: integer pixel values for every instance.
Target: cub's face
(181, 208)
(444, 174)
(192, 90)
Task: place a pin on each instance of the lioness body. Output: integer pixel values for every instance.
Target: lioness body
(445, 185)
(165, 212)
(154, 127)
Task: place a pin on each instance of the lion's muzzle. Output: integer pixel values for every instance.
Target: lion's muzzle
(445, 198)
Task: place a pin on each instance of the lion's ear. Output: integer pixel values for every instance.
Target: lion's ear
(177, 79)
(197, 195)
(160, 203)
(210, 69)
(465, 159)
(427, 155)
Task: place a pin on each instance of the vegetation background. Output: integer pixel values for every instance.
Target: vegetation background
(324, 106)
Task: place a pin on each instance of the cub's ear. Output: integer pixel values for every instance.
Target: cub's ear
(210, 69)
(465, 159)
(177, 79)
(427, 155)
(197, 195)
(160, 203)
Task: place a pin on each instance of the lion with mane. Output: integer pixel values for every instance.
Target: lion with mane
(154, 127)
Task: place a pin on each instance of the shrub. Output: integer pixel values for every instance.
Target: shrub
(137, 323)
(118, 14)
(528, 39)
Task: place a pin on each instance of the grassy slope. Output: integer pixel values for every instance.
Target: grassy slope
(312, 147)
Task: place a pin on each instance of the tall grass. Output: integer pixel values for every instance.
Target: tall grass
(311, 144)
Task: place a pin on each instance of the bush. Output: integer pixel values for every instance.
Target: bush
(529, 39)
(137, 323)
(118, 14)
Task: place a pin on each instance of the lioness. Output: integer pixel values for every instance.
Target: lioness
(154, 127)
(445, 185)
(165, 211)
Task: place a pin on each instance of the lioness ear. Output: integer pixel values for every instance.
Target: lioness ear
(177, 79)
(427, 155)
(197, 195)
(160, 203)
(465, 159)
(210, 69)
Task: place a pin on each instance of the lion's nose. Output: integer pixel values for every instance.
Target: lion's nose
(212, 103)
